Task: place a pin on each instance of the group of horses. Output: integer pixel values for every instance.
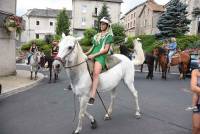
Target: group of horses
(159, 57)
(38, 60)
(75, 62)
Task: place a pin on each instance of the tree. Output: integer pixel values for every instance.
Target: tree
(174, 22)
(104, 13)
(118, 32)
(63, 23)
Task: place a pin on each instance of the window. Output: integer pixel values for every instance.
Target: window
(51, 23)
(95, 23)
(131, 16)
(131, 24)
(37, 36)
(83, 21)
(134, 23)
(134, 14)
(128, 25)
(84, 8)
(37, 22)
(95, 11)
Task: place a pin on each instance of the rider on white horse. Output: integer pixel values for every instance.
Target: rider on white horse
(33, 49)
(101, 45)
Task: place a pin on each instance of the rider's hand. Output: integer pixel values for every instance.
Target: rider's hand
(90, 57)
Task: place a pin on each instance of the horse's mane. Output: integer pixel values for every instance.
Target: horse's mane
(161, 50)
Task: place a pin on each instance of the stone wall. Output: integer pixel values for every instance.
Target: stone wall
(7, 40)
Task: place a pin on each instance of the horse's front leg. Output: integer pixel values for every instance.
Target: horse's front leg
(35, 75)
(83, 106)
(55, 77)
(31, 75)
(50, 74)
(110, 109)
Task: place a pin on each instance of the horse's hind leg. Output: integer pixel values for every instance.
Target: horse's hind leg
(110, 108)
(135, 94)
(35, 75)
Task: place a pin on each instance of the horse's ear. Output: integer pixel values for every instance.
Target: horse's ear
(63, 35)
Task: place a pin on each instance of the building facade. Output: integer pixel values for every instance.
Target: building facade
(142, 19)
(40, 22)
(195, 21)
(7, 39)
(85, 12)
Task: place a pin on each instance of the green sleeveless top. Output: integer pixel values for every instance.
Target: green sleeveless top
(99, 44)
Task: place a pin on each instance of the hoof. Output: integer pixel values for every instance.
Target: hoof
(75, 132)
(138, 116)
(94, 124)
(69, 87)
(49, 82)
(107, 117)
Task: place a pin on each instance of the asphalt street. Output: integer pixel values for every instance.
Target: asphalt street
(49, 109)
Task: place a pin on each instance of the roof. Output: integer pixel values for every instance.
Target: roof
(152, 5)
(156, 7)
(46, 13)
(135, 8)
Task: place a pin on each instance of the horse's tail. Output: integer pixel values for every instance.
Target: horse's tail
(139, 54)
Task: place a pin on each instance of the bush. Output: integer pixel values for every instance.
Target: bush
(119, 33)
(184, 42)
(41, 44)
(88, 35)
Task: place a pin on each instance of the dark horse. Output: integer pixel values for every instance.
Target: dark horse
(182, 59)
(52, 68)
(149, 59)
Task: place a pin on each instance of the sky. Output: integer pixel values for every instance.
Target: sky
(23, 5)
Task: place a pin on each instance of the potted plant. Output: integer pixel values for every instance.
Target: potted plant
(13, 23)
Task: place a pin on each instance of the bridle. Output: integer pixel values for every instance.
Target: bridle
(63, 62)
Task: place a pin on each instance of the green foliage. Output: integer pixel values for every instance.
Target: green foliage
(48, 38)
(88, 35)
(41, 44)
(194, 45)
(104, 13)
(63, 23)
(119, 33)
(184, 42)
(57, 37)
(25, 47)
(174, 22)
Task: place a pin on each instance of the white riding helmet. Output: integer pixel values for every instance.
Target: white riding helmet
(105, 20)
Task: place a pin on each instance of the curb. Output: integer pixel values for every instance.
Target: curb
(23, 88)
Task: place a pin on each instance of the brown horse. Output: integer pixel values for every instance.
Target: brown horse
(182, 59)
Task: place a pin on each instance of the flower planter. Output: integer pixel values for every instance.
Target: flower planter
(12, 29)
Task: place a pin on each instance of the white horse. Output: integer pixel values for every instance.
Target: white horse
(34, 63)
(71, 55)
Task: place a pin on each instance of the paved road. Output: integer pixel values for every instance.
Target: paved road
(48, 109)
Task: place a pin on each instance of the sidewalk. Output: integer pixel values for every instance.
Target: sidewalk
(18, 83)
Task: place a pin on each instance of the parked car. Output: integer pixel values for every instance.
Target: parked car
(194, 61)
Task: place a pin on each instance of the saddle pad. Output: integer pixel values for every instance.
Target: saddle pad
(111, 61)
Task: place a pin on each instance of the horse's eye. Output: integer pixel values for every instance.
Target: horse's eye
(70, 47)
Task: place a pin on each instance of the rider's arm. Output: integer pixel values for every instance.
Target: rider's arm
(108, 42)
(194, 86)
(88, 52)
(104, 51)
(30, 49)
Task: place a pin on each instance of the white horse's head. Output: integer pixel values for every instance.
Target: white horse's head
(70, 51)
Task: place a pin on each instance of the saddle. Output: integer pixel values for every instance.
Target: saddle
(111, 61)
